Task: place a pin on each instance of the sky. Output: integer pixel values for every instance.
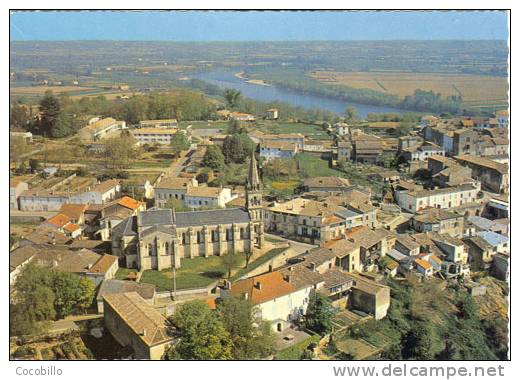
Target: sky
(258, 26)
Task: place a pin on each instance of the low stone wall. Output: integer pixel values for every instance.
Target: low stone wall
(187, 292)
(26, 219)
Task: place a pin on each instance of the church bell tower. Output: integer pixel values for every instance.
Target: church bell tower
(254, 202)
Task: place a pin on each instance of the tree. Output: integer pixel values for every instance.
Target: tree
(202, 177)
(252, 338)
(72, 293)
(202, 335)
(230, 261)
(232, 97)
(235, 127)
(176, 204)
(237, 148)
(19, 116)
(52, 120)
(422, 174)
(179, 143)
(32, 309)
(34, 164)
(120, 151)
(213, 158)
(404, 128)
(319, 314)
(33, 302)
(418, 342)
(351, 113)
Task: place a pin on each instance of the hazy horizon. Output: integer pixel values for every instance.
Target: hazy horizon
(270, 26)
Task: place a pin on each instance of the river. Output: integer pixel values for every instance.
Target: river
(227, 79)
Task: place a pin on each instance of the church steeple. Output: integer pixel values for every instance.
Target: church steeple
(253, 180)
(254, 203)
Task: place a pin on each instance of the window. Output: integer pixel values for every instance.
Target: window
(229, 234)
(200, 237)
(214, 236)
(166, 248)
(183, 238)
(242, 233)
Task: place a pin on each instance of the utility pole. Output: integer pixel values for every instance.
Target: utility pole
(174, 279)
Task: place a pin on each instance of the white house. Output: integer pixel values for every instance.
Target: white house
(158, 135)
(444, 198)
(51, 200)
(342, 129)
(99, 194)
(276, 297)
(208, 197)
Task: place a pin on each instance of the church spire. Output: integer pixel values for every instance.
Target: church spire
(253, 180)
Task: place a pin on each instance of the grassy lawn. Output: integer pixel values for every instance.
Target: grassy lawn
(255, 264)
(295, 351)
(281, 188)
(193, 273)
(312, 131)
(122, 273)
(314, 166)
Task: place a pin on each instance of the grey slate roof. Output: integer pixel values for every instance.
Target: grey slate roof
(156, 228)
(125, 228)
(147, 291)
(346, 213)
(155, 216)
(211, 217)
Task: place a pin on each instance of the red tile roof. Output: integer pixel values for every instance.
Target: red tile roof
(129, 203)
(263, 288)
(58, 220)
(71, 227)
(72, 210)
(103, 264)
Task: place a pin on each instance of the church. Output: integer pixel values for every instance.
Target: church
(160, 238)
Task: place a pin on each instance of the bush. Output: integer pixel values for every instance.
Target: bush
(24, 351)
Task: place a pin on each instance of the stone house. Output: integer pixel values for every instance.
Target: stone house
(133, 322)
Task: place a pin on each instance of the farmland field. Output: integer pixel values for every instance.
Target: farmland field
(476, 89)
(40, 90)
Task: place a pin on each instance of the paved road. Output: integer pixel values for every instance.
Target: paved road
(177, 166)
(297, 246)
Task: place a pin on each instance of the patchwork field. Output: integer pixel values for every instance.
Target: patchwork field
(473, 88)
(40, 90)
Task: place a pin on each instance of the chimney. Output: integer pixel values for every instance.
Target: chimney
(143, 333)
(288, 278)
(228, 284)
(258, 285)
(313, 267)
(246, 296)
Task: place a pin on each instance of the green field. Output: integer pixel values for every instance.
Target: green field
(313, 166)
(311, 131)
(193, 273)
